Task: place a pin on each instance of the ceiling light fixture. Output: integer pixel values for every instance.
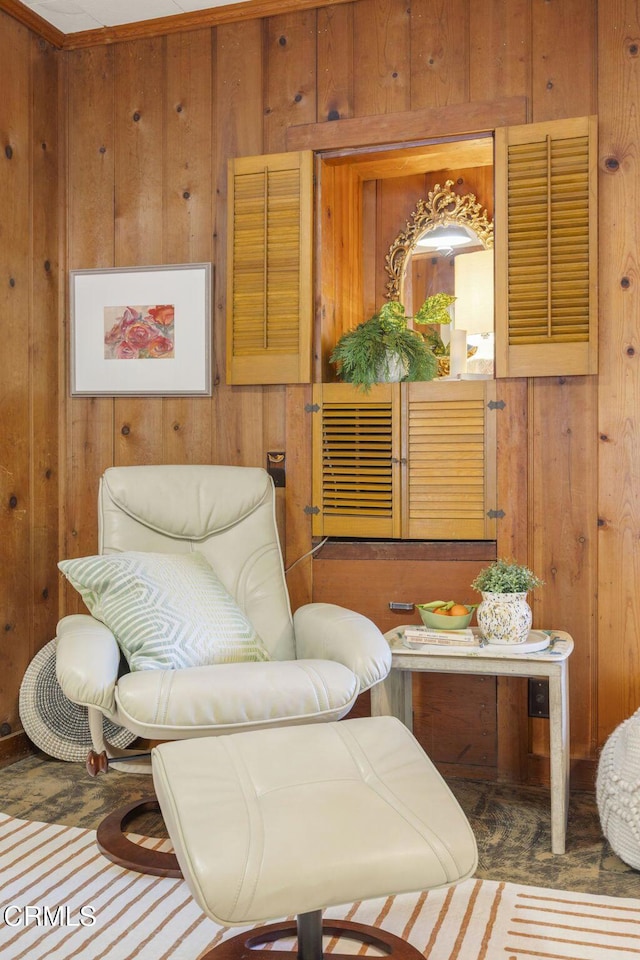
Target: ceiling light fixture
(445, 238)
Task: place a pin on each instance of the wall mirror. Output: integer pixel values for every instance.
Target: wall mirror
(447, 246)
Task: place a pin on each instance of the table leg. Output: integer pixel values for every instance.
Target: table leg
(559, 759)
(392, 697)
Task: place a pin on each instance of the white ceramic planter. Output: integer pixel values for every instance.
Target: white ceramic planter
(392, 370)
(504, 617)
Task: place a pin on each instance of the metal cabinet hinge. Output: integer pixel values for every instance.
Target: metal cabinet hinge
(313, 510)
(496, 404)
(495, 514)
(311, 408)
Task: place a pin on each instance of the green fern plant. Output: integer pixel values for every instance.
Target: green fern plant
(365, 355)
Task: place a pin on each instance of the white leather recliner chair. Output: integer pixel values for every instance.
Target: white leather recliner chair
(321, 658)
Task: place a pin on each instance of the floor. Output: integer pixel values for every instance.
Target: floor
(512, 825)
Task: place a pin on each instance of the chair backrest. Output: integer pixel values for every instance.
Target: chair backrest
(226, 513)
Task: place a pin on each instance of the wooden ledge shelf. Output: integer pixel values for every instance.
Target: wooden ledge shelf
(450, 550)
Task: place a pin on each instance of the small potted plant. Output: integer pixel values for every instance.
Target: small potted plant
(384, 349)
(504, 616)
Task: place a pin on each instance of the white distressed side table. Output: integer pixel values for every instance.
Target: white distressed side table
(393, 696)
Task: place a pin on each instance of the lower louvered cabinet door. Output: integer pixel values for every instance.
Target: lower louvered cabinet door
(449, 460)
(356, 461)
(413, 461)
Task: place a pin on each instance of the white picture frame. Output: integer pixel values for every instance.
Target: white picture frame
(141, 331)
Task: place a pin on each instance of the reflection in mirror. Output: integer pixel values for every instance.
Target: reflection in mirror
(446, 239)
(447, 247)
(474, 307)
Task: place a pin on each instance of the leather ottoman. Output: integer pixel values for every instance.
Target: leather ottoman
(288, 821)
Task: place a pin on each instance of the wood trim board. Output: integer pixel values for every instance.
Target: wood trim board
(410, 125)
(161, 26)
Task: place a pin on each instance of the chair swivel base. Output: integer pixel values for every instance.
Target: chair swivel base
(117, 847)
(309, 929)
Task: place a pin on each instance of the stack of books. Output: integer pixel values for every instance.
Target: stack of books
(428, 635)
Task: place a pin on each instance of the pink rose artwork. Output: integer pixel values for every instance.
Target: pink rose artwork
(140, 332)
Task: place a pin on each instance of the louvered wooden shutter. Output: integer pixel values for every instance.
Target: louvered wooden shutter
(356, 460)
(269, 269)
(546, 248)
(449, 460)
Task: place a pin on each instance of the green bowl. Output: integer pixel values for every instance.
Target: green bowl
(437, 622)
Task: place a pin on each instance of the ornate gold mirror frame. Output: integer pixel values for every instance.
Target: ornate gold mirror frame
(441, 208)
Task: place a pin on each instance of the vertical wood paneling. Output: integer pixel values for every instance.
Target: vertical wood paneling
(140, 144)
(274, 439)
(326, 269)
(44, 337)
(187, 175)
(439, 52)
(297, 523)
(563, 50)
(91, 158)
(139, 184)
(90, 187)
(563, 530)
(512, 539)
(16, 499)
(562, 426)
(499, 49)
(372, 262)
(340, 274)
(290, 76)
(29, 325)
(238, 119)
(619, 378)
(290, 92)
(335, 62)
(381, 75)
(500, 65)
(512, 428)
(187, 213)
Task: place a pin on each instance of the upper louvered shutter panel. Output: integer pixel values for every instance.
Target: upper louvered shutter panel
(449, 457)
(356, 453)
(269, 269)
(546, 248)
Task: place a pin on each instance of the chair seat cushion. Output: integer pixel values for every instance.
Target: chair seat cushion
(167, 611)
(175, 704)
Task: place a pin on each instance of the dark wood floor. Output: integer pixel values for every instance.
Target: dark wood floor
(512, 826)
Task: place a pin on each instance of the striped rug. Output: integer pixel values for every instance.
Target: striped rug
(60, 899)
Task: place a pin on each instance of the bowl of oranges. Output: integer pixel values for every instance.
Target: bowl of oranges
(446, 614)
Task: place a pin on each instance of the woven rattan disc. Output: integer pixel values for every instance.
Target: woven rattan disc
(54, 723)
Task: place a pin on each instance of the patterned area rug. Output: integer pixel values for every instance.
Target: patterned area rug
(60, 899)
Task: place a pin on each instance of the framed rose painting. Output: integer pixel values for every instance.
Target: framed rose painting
(141, 331)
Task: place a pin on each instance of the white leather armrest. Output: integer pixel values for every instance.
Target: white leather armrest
(324, 631)
(87, 661)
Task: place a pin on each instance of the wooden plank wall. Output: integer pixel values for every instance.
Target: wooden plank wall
(151, 124)
(618, 457)
(29, 312)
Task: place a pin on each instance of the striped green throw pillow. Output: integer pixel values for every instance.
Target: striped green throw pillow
(167, 611)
